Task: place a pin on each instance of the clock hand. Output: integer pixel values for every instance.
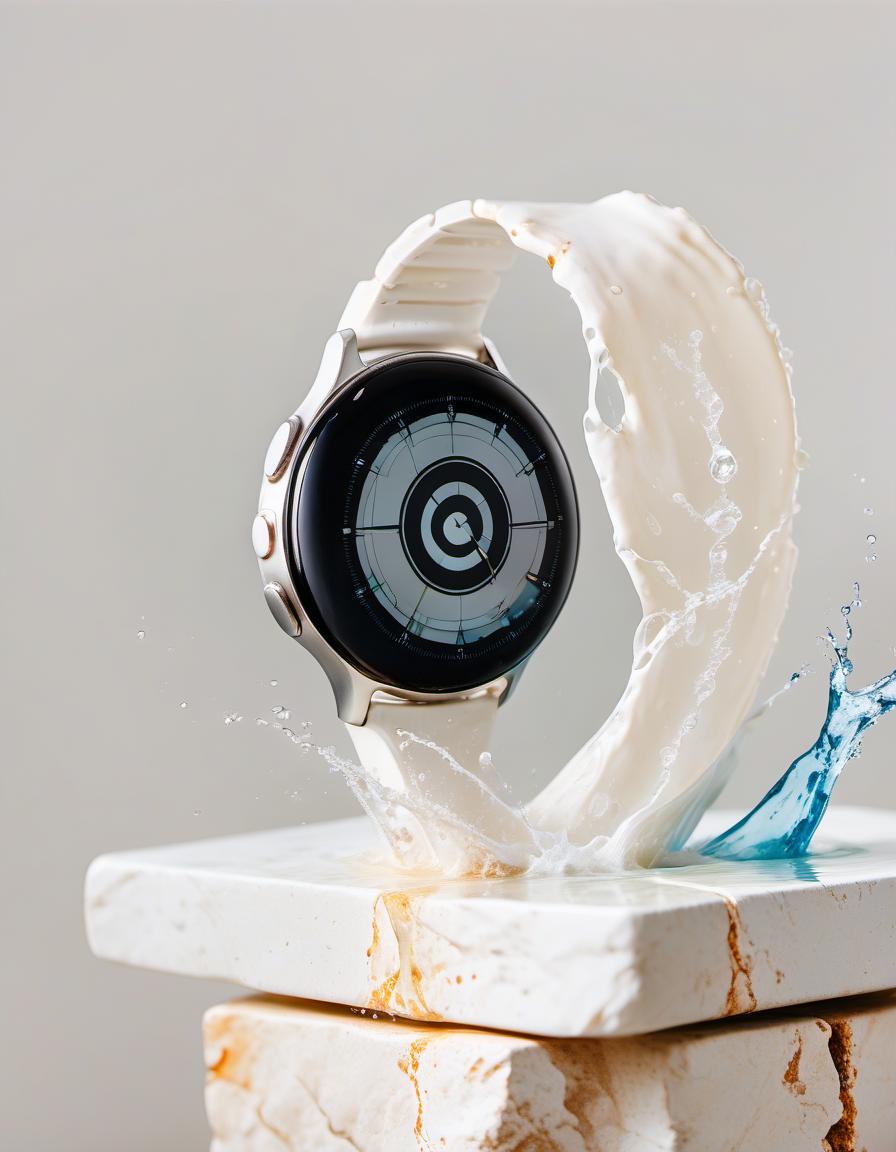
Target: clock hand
(476, 546)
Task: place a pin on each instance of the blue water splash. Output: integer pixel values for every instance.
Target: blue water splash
(784, 821)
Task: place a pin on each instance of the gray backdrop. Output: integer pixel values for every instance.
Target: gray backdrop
(188, 195)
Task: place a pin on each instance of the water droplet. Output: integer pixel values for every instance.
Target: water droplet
(871, 538)
(141, 635)
(261, 723)
(274, 683)
(183, 703)
(868, 511)
(846, 609)
(802, 460)
(722, 466)
(280, 712)
(485, 759)
(696, 338)
(615, 289)
(232, 718)
(870, 559)
(197, 811)
(421, 776)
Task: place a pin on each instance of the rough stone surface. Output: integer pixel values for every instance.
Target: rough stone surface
(308, 912)
(312, 1079)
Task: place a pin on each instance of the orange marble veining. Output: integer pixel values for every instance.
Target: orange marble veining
(402, 991)
(410, 1065)
(741, 966)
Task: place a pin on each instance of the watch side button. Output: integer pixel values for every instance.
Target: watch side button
(280, 448)
(263, 535)
(281, 609)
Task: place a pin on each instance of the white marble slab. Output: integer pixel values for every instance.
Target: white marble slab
(313, 1079)
(304, 912)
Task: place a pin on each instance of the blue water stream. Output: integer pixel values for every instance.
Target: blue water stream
(784, 821)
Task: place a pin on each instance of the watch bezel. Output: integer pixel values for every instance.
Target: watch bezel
(295, 487)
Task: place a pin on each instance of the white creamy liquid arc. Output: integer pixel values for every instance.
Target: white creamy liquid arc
(700, 483)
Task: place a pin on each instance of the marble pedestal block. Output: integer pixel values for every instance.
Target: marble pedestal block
(306, 1078)
(307, 912)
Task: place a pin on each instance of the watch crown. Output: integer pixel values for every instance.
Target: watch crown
(281, 447)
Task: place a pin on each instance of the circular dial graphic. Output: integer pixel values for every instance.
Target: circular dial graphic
(436, 524)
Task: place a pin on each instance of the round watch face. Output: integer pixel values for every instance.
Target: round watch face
(434, 526)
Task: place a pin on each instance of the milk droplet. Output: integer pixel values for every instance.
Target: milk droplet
(615, 289)
(722, 466)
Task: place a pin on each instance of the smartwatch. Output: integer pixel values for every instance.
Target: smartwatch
(418, 527)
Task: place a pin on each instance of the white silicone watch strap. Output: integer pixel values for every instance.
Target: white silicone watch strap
(432, 287)
(431, 290)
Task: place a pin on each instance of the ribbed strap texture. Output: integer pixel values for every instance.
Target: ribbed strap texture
(432, 287)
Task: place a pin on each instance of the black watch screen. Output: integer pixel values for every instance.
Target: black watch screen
(434, 526)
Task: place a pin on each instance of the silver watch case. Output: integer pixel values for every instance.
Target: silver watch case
(340, 364)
